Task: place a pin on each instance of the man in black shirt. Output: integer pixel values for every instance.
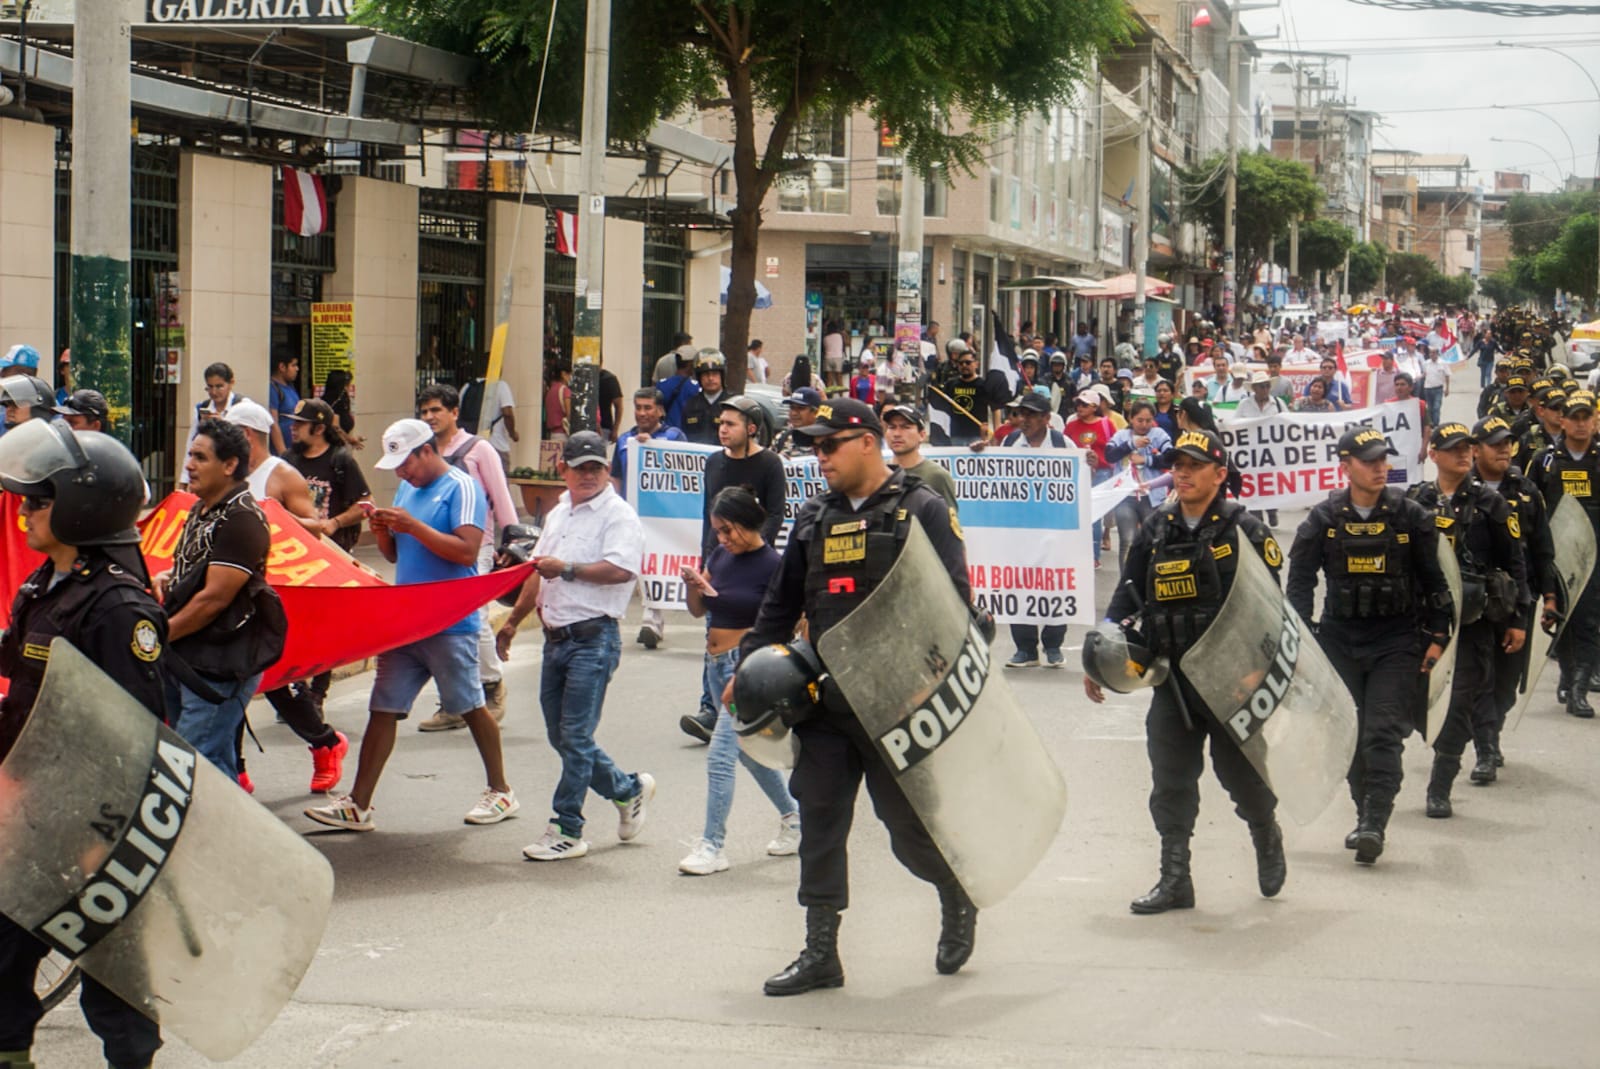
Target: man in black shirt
(320, 454)
(973, 394)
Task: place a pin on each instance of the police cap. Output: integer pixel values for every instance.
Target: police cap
(1516, 382)
(1364, 443)
(1579, 401)
(1200, 444)
(1491, 431)
(842, 414)
(1450, 435)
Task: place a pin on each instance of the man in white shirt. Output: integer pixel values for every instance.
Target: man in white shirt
(439, 406)
(1261, 401)
(588, 558)
(498, 413)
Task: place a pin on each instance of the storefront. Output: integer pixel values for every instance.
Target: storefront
(299, 266)
(856, 286)
(452, 323)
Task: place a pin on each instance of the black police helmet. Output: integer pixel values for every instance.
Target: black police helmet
(1117, 658)
(781, 682)
(93, 480)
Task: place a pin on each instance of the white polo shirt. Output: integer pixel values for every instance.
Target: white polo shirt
(603, 528)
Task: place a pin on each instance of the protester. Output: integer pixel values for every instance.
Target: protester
(219, 399)
(905, 430)
(730, 588)
(676, 389)
(282, 396)
(756, 365)
(212, 596)
(1090, 431)
(431, 533)
(1141, 443)
(499, 412)
(440, 408)
(336, 394)
(588, 556)
(1435, 384)
(558, 402)
(86, 410)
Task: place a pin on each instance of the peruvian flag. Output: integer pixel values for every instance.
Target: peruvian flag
(305, 204)
(567, 234)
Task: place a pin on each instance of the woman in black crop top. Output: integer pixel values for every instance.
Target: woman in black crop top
(737, 571)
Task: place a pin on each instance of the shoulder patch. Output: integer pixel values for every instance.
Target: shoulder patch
(1271, 553)
(146, 642)
(955, 524)
(1513, 525)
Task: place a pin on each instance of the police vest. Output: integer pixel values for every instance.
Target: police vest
(1578, 479)
(851, 552)
(42, 613)
(1463, 521)
(1368, 563)
(1183, 587)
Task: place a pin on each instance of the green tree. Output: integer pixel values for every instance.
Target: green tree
(1536, 220)
(1406, 272)
(1568, 263)
(938, 73)
(1367, 259)
(1443, 291)
(1272, 193)
(1323, 244)
(1505, 288)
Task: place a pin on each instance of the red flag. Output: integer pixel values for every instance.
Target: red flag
(17, 561)
(305, 204)
(567, 234)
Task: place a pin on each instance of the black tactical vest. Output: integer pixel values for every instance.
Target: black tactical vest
(1578, 479)
(851, 552)
(1183, 588)
(1368, 565)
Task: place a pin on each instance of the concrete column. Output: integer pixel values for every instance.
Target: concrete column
(27, 234)
(523, 369)
(623, 315)
(702, 291)
(225, 279)
(375, 250)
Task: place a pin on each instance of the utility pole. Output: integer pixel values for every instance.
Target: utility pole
(908, 290)
(102, 162)
(1230, 195)
(1141, 248)
(589, 284)
(1294, 227)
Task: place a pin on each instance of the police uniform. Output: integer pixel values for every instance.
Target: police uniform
(837, 554)
(1385, 591)
(1486, 535)
(700, 418)
(1538, 561)
(1174, 582)
(106, 612)
(1557, 474)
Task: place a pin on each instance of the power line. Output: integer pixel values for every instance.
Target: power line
(1485, 7)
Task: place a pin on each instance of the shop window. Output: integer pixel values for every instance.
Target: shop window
(451, 277)
(820, 180)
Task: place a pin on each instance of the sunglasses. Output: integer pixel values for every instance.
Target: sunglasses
(826, 447)
(36, 503)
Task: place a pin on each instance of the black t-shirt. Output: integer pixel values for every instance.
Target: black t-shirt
(974, 395)
(232, 533)
(610, 390)
(336, 483)
(762, 472)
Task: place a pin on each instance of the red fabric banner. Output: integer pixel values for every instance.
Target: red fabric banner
(17, 561)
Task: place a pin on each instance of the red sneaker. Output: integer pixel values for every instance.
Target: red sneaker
(327, 764)
(244, 782)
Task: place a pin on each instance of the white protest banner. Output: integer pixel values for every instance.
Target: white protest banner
(1358, 378)
(1292, 458)
(1024, 516)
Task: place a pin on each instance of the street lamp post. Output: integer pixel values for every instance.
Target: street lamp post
(1571, 148)
(1592, 85)
(1230, 195)
(1534, 144)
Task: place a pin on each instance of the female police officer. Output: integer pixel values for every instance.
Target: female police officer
(81, 492)
(843, 544)
(1179, 570)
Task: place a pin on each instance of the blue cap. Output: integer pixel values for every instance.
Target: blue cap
(805, 397)
(21, 356)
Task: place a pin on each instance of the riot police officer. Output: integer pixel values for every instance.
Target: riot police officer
(1572, 469)
(81, 493)
(842, 545)
(1380, 555)
(1492, 464)
(1486, 535)
(700, 411)
(1179, 570)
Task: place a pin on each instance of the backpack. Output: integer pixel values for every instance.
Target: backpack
(472, 407)
(458, 459)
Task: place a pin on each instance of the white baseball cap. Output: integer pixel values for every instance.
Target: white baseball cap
(402, 437)
(251, 415)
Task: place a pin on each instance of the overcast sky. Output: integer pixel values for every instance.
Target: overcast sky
(1404, 61)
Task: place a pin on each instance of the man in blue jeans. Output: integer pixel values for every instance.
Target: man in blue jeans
(223, 544)
(587, 561)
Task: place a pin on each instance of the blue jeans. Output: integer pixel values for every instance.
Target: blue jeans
(211, 728)
(572, 688)
(723, 753)
(1434, 396)
(1485, 373)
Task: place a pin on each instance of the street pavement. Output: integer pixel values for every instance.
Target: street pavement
(1473, 942)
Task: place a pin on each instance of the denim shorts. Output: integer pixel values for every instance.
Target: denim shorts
(451, 661)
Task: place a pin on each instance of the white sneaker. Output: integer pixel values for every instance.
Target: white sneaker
(787, 841)
(705, 860)
(554, 845)
(493, 807)
(631, 813)
(343, 813)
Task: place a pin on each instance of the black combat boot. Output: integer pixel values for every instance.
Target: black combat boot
(1483, 772)
(818, 964)
(958, 929)
(1174, 890)
(1369, 833)
(1350, 840)
(1271, 866)
(1578, 697)
(1445, 768)
(1564, 686)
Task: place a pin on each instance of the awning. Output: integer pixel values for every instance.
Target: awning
(1121, 289)
(1050, 282)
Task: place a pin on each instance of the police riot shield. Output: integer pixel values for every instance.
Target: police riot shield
(1443, 673)
(916, 669)
(1273, 691)
(122, 848)
(1575, 560)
